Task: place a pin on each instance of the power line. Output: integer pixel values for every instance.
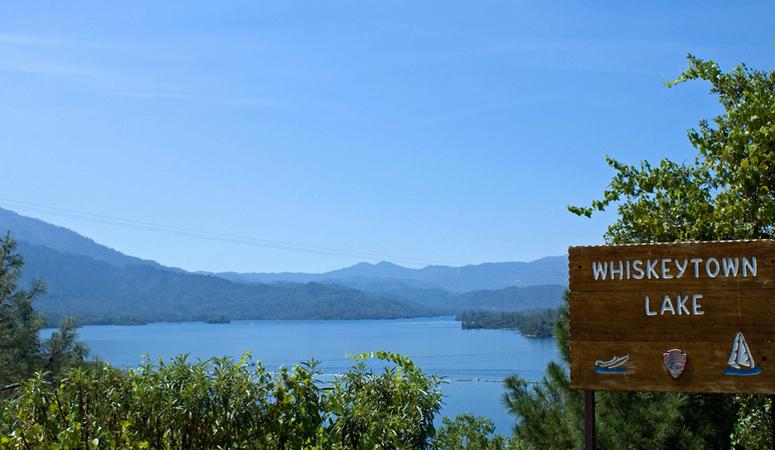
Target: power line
(232, 238)
(209, 235)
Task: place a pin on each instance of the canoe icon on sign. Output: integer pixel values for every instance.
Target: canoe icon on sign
(741, 360)
(613, 365)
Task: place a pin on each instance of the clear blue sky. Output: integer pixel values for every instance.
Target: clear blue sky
(434, 130)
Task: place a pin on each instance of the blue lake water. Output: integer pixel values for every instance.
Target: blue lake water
(473, 361)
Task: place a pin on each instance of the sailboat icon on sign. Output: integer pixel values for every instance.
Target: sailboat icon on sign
(741, 361)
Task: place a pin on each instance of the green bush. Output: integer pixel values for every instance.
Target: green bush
(223, 403)
(472, 433)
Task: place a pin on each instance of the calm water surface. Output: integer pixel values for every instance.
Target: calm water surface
(473, 361)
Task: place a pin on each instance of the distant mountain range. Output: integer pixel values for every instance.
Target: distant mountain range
(97, 284)
(549, 270)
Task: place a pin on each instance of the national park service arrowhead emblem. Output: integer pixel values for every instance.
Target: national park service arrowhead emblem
(675, 362)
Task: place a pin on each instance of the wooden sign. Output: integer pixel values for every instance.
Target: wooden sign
(685, 317)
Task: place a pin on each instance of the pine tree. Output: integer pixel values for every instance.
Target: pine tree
(19, 325)
(21, 352)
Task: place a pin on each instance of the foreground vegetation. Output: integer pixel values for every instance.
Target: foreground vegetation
(238, 405)
(50, 397)
(225, 404)
(532, 323)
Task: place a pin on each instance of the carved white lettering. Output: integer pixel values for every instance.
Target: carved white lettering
(649, 312)
(681, 304)
(696, 307)
(712, 272)
(666, 269)
(674, 268)
(681, 268)
(637, 267)
(651, 266)
(667, 305)
(615, 272)
(730, 266)
(749, 266)
(696, 262)
(627, 269)
(599, 270)
(678, 306)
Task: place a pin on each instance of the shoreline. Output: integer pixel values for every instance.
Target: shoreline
(205, 322)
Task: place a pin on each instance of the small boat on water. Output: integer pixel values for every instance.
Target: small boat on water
(613, 365)
(741, 361)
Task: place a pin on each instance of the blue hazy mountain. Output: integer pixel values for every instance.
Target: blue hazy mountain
(98, 284)
(552, 270)
(41, 233)
(98, 292)
(513, 298)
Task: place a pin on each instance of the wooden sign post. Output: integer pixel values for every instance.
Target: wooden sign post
(683, 317)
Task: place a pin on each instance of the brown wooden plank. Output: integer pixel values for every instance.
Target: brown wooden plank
(608, 317)
(602, 316)
(646, 372)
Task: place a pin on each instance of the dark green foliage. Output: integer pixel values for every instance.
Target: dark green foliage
(531, 323)
(726, 193)
(20, 349)
(63, 349)
(225, 404)
(19, 325)
(392, 409)
(549, 413)
(753, 429)
(467, 432)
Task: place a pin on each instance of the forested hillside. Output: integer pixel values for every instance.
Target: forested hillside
(42, 233)
(531, 323)
(96, 284)
(98, 292)
(511, 299)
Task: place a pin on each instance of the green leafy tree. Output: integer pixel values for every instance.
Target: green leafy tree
(467, 432)
(19, 325)
(63, 350)
(21, 352)
(222, 403)
(754, 422)
(725, 193)
(533, 323)
(391, 409)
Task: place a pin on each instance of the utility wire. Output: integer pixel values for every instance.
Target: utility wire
(234, 239)
(209, 235)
